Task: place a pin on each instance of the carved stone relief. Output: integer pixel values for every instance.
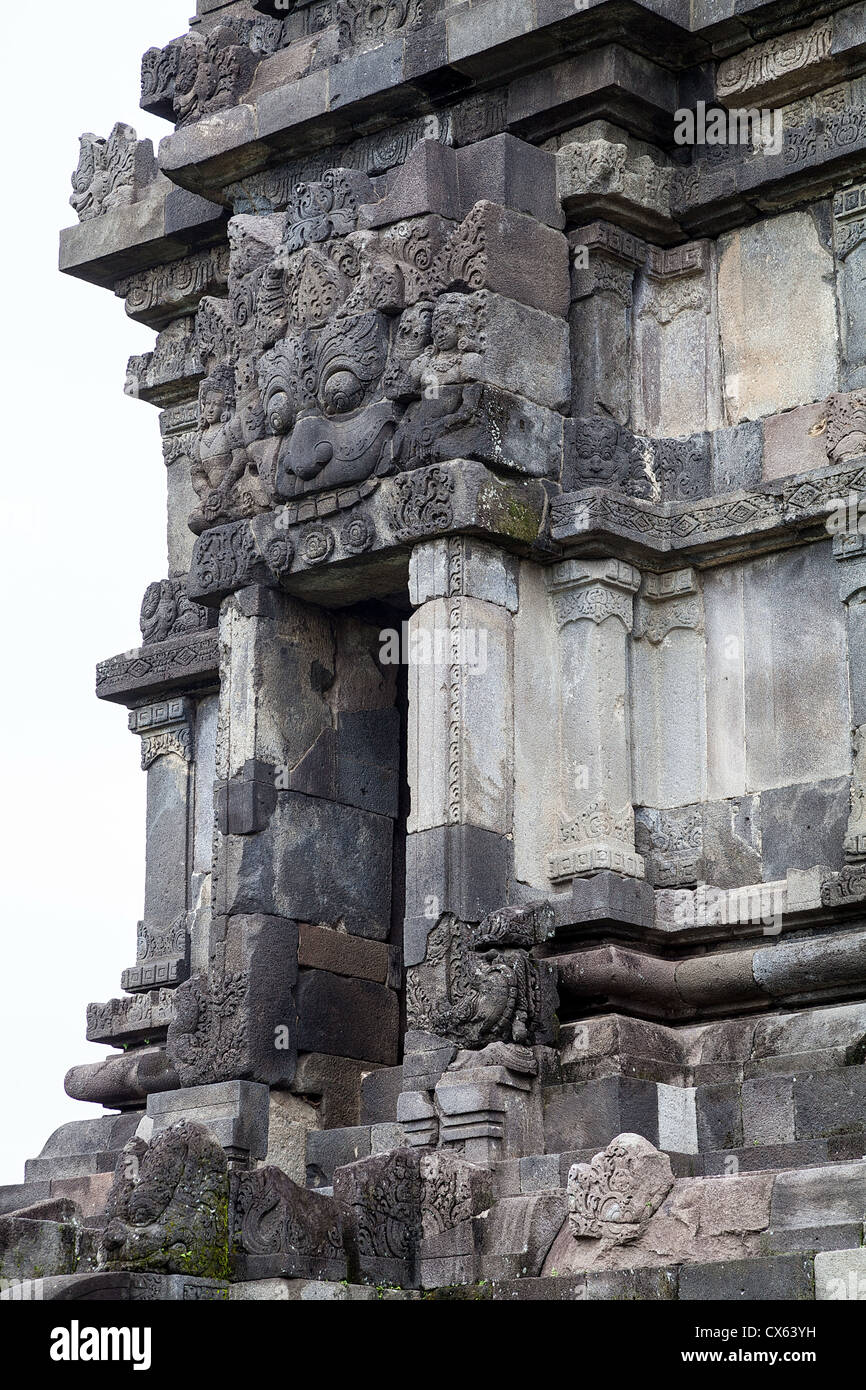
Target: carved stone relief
(613, 1198)
(480, 984)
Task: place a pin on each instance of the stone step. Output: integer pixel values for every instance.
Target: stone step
(826, 1108)
(329, 1149)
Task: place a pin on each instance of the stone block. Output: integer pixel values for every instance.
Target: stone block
(347, 1018)
(282, 869)
(757, 1158)
(384, 1137)
(794, 441)
(539, 1172)
(810, 1238)
(379, 1092)
(329, 1149)
(737, 454)
(234, 1112)
(719, 1117)
(831, 1104)
(488, 573)
(513, 173)
(794, 638)
(244, 804)
(289, 1121)
(513, 255)
(772, 1278)
(408, 1209)
(34, 1249)
(425, 183)
(825, 1196)
(609, 897)
(735, 1205)
(518, 1233)
(354, 764)
(842, 1027)
(840, 1275)
(635, 1285)
(786, 355)
(677, 1119)
(14, 1196)
(333, 1084)
(804, 825)
(238, 1022)
(425, 1058)
(451, 868)
(582, 1114)
(324, 948)
(731, 842)
(768, 1111)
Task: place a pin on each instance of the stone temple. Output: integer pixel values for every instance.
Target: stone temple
(503, 701)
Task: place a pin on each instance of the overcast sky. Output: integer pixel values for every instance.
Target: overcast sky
(82, 510)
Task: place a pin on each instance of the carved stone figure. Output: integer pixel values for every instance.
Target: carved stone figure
(612, 1198)
(605, 453)
(167, 611)
(441, 377)
(479, 983)
(106, 174)
(213, 72)
(168, 1207)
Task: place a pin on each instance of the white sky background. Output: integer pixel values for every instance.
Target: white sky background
(82, 522)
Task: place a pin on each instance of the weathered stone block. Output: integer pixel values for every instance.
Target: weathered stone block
(347, 1018)
(773, 1278)
(234, 1112)
(329, 1149)
(282, 870)
(762, 373)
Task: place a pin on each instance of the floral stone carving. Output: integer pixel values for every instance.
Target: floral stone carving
(612, 1198)
(479, 984)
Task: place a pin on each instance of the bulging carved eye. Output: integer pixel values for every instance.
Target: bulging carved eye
(280, 413)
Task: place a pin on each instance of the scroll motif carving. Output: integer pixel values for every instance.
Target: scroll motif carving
(167, 611)
(479, 983)
(269, 1215)
(207, 1038)
(613, 1198)
(110, 173)
(756, 71)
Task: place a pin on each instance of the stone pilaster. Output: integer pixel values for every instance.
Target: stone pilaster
(593, 604)
(668, 691)
(850, 549)
(459, 649)
(167, 748)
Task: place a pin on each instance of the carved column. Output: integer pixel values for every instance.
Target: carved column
(605, 260)
(593, 602)
(677, 386)
(166, 732)
(850, 548)
(459, 652)
(669, 725)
